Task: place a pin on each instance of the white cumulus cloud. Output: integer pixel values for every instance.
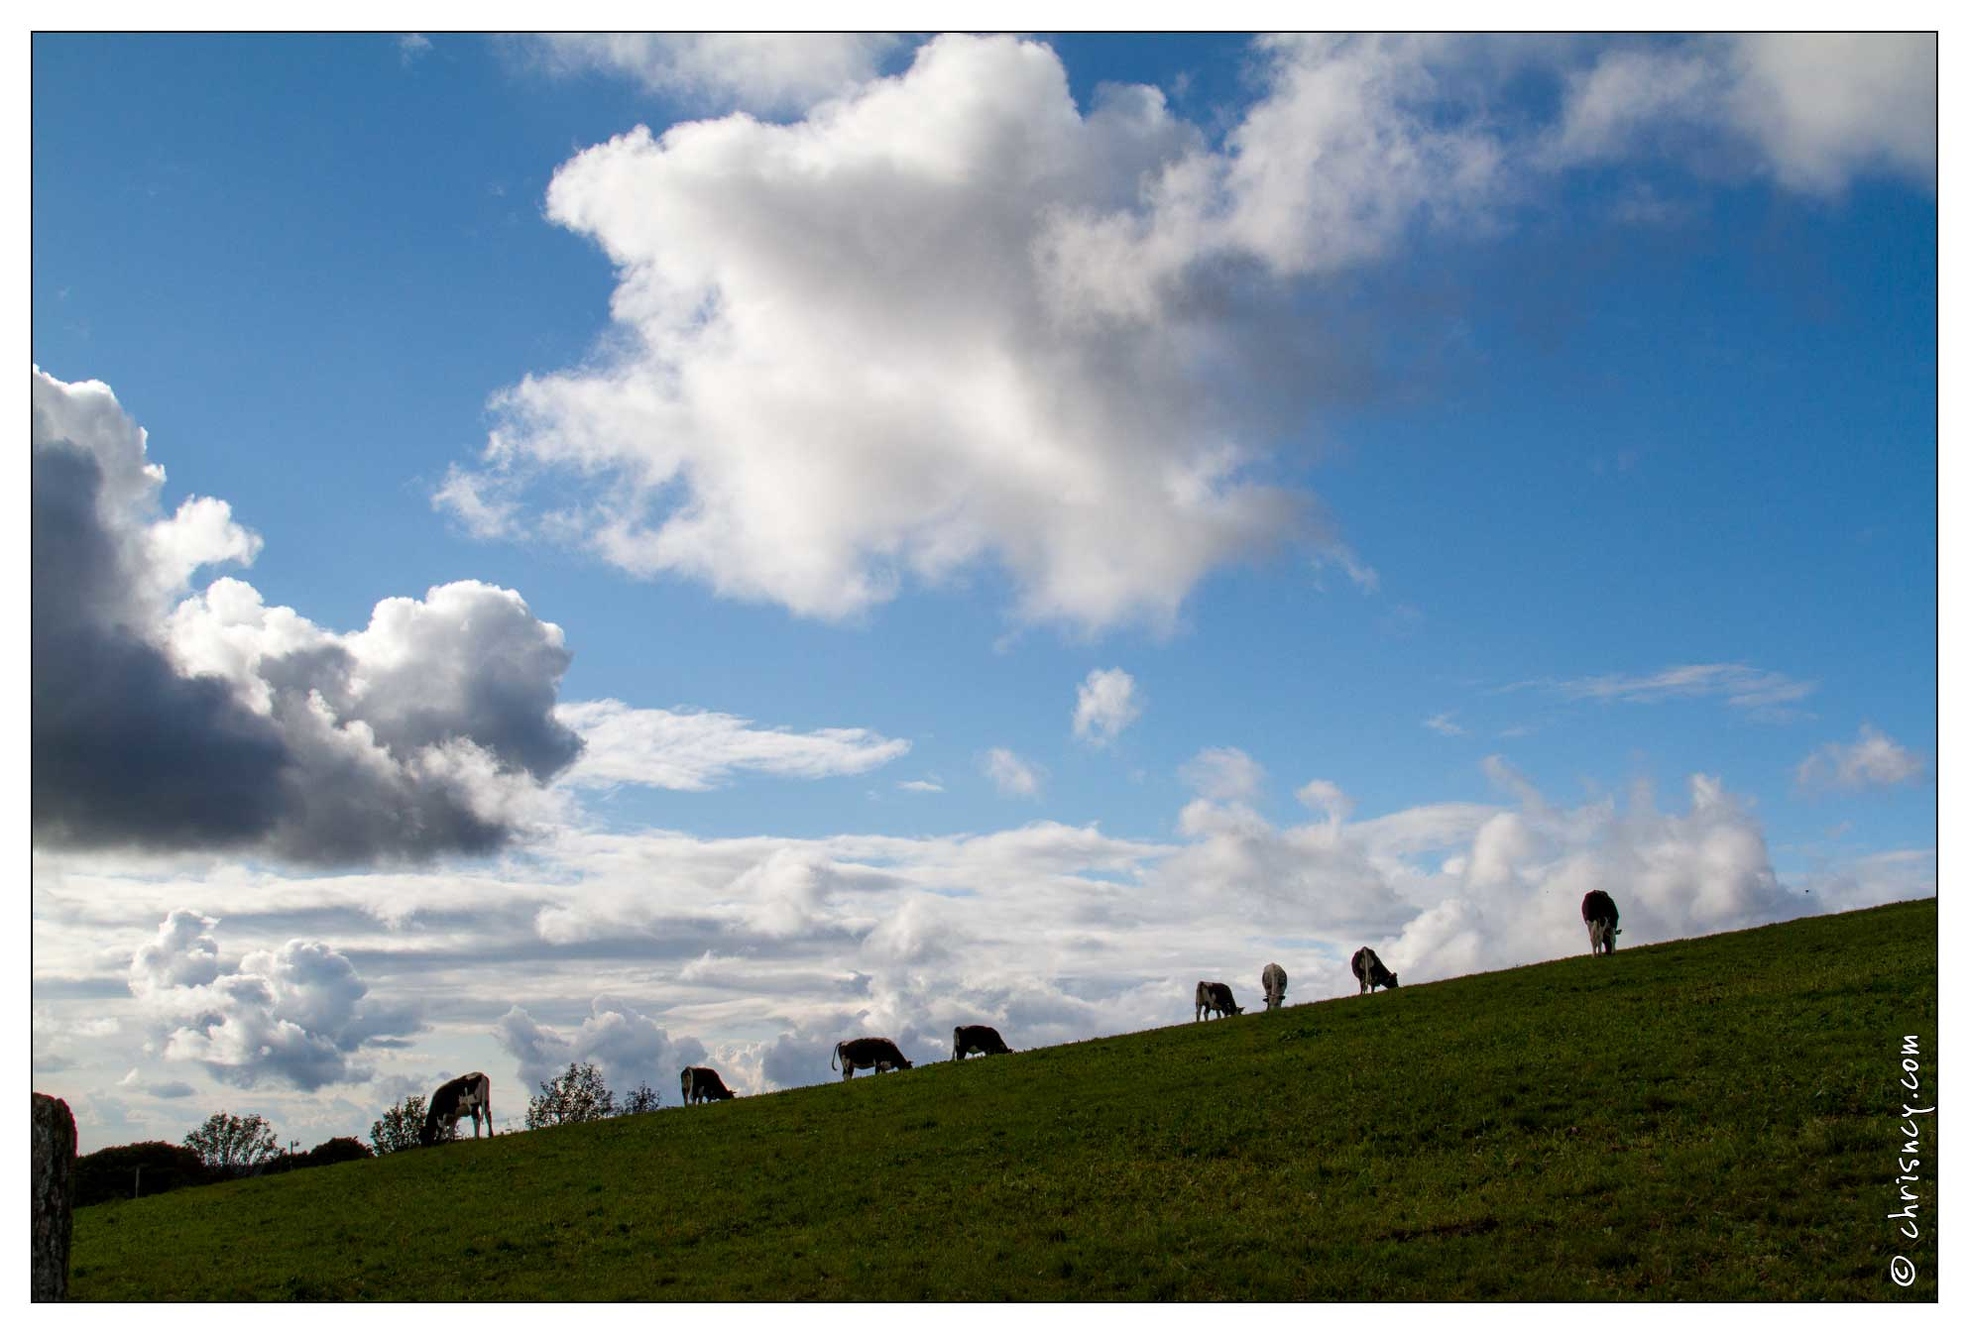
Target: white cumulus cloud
(1814, 110)
(1874, 759)
(953, 318)
(1105, 706)
(293, 1015)
(1011, 775)
(628, 1047)
(1224, 773)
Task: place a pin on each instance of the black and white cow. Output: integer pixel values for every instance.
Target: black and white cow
(877, 1054)
(1273, 980)
(968, 1038)
(468, 1094)
(1370, 972)
(1215, 998)
(1602, 920)
(701, 1084)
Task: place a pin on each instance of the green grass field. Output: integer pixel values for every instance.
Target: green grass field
(1714, 1118)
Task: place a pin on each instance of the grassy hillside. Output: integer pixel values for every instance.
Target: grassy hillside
(1713, 1118)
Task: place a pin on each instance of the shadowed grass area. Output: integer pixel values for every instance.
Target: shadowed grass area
(1712, 1118)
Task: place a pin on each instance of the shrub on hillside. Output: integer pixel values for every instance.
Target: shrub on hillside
(638, 1100)
(578, 1094)
(127, 1170)
(400, 1126)
(233, 1145)
(341, 1149)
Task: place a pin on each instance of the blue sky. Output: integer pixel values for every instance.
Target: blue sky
(1459, 473)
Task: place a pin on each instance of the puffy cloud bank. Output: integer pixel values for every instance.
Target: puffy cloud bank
(292, 1015)
(627, 1047)
(643, 950)
(166, 718)
(953, 318)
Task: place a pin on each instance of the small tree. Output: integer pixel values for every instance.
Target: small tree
(577, 1095)
(639, 1099)
(233, 1145)
(400, 1127)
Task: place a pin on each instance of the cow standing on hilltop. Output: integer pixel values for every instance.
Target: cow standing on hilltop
(968, 1038)
(1370, 972)
(1215, 998)
(468, 1094)
(701, 1084)
(1273, 980)
(1602, 920)
(877, 1054)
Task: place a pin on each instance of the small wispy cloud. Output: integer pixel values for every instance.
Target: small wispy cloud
(1762, 693)
(1326, 797)
(763, 73)
(1107, 704)
(1401, 621)
(411, 46)
(1874, 760)
(920, 785)
(694, 752)
(1224, 773)
(1011, 775)
(1443, 723)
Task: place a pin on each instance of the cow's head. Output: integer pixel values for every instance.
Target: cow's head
(1392, 981)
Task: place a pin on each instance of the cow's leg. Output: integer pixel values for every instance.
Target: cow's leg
(847, 1070)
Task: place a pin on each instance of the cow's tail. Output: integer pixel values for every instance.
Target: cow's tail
(835, 1062)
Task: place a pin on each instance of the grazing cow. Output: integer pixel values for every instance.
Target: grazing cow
(1215, 998)
(1602, 920)
(701, 1084)
(877, 1054)
(1274, 983)
(455, 1098)
(968, 1038)
(1370, 972)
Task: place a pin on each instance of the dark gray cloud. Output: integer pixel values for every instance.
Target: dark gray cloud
(116, 730)
(169, 720)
